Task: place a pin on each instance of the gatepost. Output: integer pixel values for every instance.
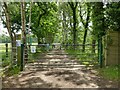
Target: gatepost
(22, 57)
(18, 44)
(112, 52)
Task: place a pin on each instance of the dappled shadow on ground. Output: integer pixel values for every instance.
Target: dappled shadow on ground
(57, 73)
(25, 80)
(56, 79)
(83, 78)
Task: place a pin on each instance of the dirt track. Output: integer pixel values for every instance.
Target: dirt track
(56, 70)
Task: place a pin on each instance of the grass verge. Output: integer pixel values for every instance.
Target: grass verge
(110, 72)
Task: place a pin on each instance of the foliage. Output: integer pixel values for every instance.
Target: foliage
(112, 16)
(4, 39)
(44, 21)
(15, 16)
(65, 22)
(98, 19)
(85, 19)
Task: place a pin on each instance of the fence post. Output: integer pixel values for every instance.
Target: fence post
(6, 49)
(22, 57)
(98, 48)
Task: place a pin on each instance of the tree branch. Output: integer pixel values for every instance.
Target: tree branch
(76, 4)
(3, 20)
(88, 16)
(81, 17)
(8, 24)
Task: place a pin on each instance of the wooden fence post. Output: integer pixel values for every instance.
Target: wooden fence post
(18, 44)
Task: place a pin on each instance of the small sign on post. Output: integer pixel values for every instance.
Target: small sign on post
(18, 43)
(33, 49)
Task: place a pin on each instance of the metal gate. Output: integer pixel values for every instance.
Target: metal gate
(36, 55)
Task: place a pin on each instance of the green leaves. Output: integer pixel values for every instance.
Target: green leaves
(15, 16)
(44, 20)
(98, 19)
(113, 16)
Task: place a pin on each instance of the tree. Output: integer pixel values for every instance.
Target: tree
(8, 24)
(99, 26)
(99, 21)
(29, 30)
(23, 21)
(65, 18)
(73, 6)
(112, 14)
(41, 12)
(85, 19)
(14, 14)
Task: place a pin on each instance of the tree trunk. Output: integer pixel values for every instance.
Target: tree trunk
(84, 40)
(86, 26)
(74, 7)
(63, 23)
(23, 22)
(14, 51)
(25, 51)
(74, 28)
